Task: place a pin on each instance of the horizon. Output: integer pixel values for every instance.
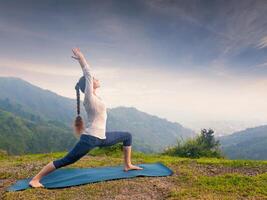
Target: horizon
(187, 62)
(235, 126)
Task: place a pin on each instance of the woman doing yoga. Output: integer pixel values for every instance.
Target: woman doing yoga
(95, 134)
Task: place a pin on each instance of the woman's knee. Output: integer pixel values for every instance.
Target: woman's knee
(63, 162)
(128, 140)
(71, 157)
(58, 163)
(74, 155)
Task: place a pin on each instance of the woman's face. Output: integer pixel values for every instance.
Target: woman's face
(96, 83)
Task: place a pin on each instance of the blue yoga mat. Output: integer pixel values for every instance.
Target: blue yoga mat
(67, 177)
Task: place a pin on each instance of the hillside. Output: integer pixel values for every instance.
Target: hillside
(34, 104)
(149, 131)
(192, 179)
(19, 135)
(44, 103)
(250, 143)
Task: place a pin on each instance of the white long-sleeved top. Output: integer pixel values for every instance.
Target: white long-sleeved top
(94, 107)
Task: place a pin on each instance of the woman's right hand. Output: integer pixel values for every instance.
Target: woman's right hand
(78, 55)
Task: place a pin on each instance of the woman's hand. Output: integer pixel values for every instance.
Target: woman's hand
(78, 55)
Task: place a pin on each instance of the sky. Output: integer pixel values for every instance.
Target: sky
(186, 61)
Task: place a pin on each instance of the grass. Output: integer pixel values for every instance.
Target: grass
(203, 178)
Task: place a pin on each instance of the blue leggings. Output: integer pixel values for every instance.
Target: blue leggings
(88, 142)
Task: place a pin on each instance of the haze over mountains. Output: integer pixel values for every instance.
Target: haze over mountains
(225, 127)
(34, 120)
(247, 144)
(30, 109)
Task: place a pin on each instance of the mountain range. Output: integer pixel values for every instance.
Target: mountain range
(35, 120)
(250, 143)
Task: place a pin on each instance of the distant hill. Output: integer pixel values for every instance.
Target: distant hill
(250, 143)
(31, 104)
(225, 127)
(44, 103)
(19, 135)
(148, 130)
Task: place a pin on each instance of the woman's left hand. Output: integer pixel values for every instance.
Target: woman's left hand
(78, 55)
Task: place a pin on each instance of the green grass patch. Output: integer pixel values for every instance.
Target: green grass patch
(232, 163)
(186, 183)
(236, 183)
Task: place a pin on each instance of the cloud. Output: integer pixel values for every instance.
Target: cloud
(262, 43)
(55, 70)
(235, 25)
(181, 59)
(39, 68)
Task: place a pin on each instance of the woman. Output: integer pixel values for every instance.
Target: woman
(95, 133)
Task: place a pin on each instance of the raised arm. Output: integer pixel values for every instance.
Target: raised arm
(87, 72)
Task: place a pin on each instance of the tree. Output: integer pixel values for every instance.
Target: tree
(207, 139)
(203, 145)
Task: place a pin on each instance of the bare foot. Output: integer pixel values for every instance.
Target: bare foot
(131, 167)
(35, 183)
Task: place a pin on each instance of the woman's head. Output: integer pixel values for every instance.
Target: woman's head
(81, 83)
(96, 83)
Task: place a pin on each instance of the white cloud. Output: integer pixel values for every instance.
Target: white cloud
(262, 43)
